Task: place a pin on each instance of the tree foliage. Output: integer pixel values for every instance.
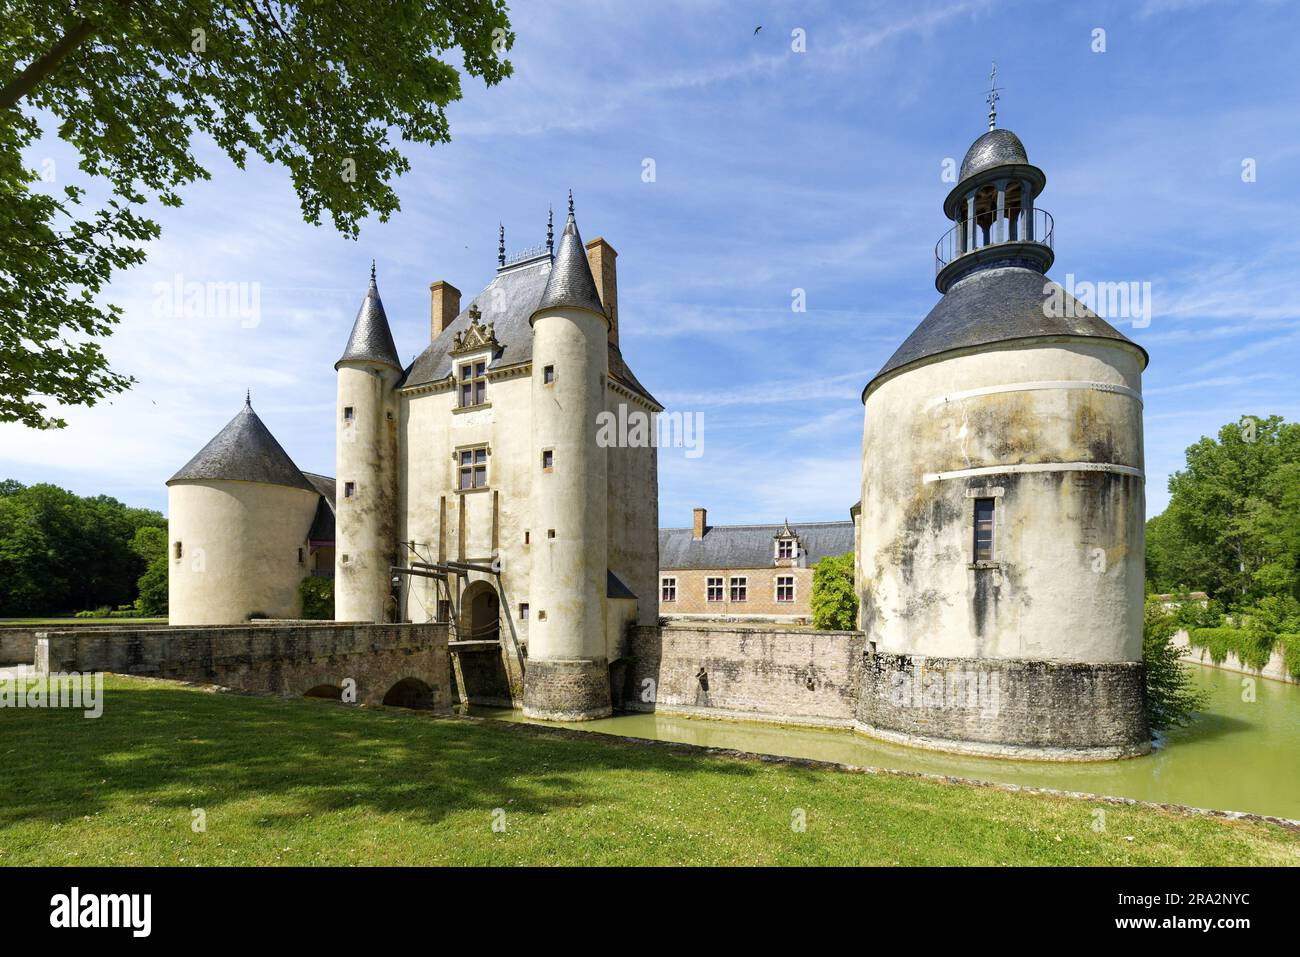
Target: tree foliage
(317, 595)
(1171, 698)
(61, 552)
(1232, 527)
(150, 543)
(319, 87)
(834, 602)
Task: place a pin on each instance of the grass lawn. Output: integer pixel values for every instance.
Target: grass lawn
(314, 782)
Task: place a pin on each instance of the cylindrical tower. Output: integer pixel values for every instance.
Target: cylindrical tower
(238, 515)
(366, 467)
(1001, 539)
(566, 675)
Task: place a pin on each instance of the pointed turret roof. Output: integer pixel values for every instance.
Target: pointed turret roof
(244, 451)
(570, 282)
(371, 339)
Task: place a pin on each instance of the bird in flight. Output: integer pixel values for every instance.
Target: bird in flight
(757, 28)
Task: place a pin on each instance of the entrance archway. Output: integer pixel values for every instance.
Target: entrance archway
(480, 612)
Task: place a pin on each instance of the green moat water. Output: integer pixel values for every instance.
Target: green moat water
(1237, 755)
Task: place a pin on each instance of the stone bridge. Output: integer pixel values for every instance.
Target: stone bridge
(405, 665)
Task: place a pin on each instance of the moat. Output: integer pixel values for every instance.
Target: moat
(1237, 755)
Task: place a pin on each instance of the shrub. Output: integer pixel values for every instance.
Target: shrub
(1170, 698)
(834, 603)
(1254, 643)
(317, 597)
(1217, 641)
(1290, 647)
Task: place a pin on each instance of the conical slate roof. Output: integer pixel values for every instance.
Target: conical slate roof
(371, 339)
(570, 282)
(244, 451)
(998, 305)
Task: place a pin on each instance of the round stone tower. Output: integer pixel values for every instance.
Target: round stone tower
(566, 676)
(238, 517)
(366, 466)
(1001, 541)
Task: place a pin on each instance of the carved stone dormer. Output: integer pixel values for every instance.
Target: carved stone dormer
(476, 338)
(785, 547)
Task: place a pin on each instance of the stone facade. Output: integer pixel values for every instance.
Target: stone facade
(788, 677)
(690, 588)
(402, 664)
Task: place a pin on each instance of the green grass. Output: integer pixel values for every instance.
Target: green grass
(295, 781)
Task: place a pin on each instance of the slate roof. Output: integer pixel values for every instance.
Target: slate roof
(244, 451)
(371, 339)
(995, 148)
(322, 526)
(570, 282)
(996, 305)
(508, 302)
(614, 587)
(748, 546)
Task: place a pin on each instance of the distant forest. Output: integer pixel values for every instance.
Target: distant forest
(62, 553)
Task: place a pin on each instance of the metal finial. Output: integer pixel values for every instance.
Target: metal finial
(992, 98)
(550, 229)
(570, 202)
(501, 246)
(248, 398)
(372, 270)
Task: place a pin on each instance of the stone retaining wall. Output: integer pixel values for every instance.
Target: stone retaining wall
(785, 676)
(1275, 669)
(285, 659)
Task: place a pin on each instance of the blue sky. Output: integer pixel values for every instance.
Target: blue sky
(774, 170)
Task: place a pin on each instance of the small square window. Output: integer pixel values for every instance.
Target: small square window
(548, 460)
(785, 588)
(523, 611)
(348, 413)
(550, 533)
(740, 589)
(178, 551)
(548, 375)
(785, 548)
(349, 489)
(714, 586)
(668, 589)
(541, 615)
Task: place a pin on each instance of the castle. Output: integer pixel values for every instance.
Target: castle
(998, 542)
(471, 486)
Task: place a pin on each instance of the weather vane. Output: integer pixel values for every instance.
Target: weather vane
(993, 96)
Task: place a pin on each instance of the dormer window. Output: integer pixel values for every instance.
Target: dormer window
(473, 383)
(785, 548)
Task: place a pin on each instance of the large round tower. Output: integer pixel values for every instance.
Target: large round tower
(1001, 541)
(567, 675)
(366, 466)
(238, 518)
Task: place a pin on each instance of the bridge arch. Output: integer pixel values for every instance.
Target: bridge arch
(327, 691)
(410, 693)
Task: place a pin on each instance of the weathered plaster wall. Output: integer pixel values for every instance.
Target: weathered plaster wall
(790, 677)
(287, 659)
(365, 521)
(633, 508)
(239, 550)
(1066, 580)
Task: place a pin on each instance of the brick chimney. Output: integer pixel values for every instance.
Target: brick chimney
(701, 523)
(444, 306)
(601, 256)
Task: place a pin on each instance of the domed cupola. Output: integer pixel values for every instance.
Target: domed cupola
(995, 221)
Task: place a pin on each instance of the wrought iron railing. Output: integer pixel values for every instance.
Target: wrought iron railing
(1015, 226)
(532, 252)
